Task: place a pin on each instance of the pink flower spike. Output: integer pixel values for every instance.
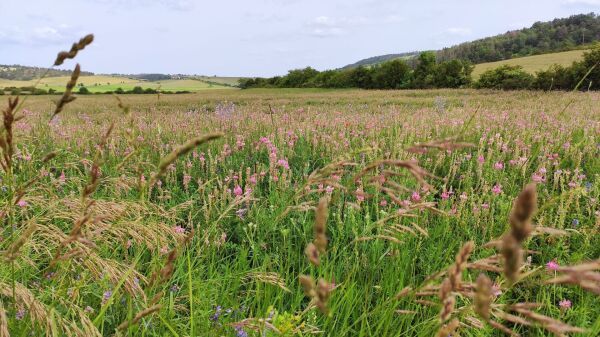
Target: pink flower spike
(238, 191)
(497, 189)
(415, 196)
(22, 203)
(552, 265)
(565, 304)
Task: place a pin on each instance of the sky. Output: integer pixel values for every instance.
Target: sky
(253, 37)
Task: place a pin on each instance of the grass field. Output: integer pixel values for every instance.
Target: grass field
(124, 233)
(220, 79)
(534, 63)
(111, 83)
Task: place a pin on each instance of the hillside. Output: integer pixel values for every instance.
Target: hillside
(542, 37)
(26, 73)
(532, 64)
(101, 83)
(382, 58)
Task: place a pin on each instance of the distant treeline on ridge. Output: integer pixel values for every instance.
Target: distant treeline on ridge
(430, 73)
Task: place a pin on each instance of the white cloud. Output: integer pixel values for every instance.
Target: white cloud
(583, 2)
(179, 5)
(457, 31)
(325, 26)
(36, 36)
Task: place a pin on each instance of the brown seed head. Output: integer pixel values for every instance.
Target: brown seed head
(524, 207)
(483, 296)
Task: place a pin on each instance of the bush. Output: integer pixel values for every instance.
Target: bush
(452, 74)
(137, 90)
(84, 91)
(392, 75)
(119, 91)
(506, 77)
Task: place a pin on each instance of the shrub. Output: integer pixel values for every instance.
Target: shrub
(506, 77)
(137, 90)
(84, 91)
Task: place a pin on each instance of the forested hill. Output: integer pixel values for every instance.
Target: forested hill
(542, 37)
(25, 73)
(383, 58)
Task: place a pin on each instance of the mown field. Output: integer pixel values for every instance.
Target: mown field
(123, 233)
(99, 83)
(532, 64)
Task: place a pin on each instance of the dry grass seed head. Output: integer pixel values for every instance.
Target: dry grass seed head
(483, 296)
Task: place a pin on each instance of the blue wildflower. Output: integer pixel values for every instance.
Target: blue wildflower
(240, 332)
(106, 296)
(20, 314)
(217, 314)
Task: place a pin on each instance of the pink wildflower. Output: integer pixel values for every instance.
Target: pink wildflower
(537, 178)
(565, 304)
(552, 265)
(237, 190)
(283, 163)
(416, 197)
(497, 189)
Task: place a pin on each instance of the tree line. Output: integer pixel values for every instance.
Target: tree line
(395, 74)
(428, 73)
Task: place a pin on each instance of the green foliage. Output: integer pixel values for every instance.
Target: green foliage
(554, 78)
(391, 75)
(424, 73)
(137, 90)
(453, 74)
(297, 78)
(541, 37)
(395, 74)
(84, 91)
(506, 77)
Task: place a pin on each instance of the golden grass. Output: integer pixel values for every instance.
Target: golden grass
(532, 64)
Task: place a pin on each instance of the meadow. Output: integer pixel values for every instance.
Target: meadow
(533, 64)
(291, 212)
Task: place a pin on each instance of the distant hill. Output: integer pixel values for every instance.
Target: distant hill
(25, 73)
(542, 37)
(383, 58)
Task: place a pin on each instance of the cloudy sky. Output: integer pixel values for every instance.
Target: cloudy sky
(254, 37)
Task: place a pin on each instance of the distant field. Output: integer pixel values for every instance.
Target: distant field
(111, 83)
(533, 63)
(222, 80)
